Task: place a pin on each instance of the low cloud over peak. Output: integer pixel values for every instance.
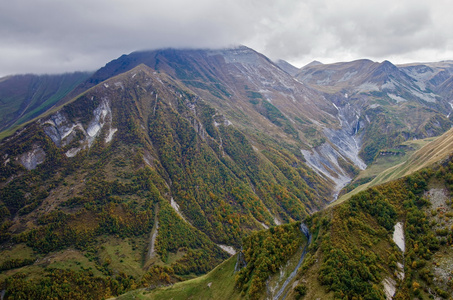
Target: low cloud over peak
(48, 36)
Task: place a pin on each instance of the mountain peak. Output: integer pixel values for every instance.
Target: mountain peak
(173, 156)
(388, 65)
(287, 67)
(313, 63)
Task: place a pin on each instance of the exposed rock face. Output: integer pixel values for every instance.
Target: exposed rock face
(228, 249)
(344, 144)
(102, 115)
(176, 208)
(398, 236)
(62, 131)
(383, 96)
(32, 158)
(72, 152)
(6, 159)
(152, 242)
(389, 288)
(324, 161)
(399, 239)
(110, 134)
(348, 140)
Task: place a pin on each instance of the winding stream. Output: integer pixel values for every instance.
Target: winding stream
(306, 232)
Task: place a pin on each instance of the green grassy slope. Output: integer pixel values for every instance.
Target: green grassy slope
(431, 150)
(271, 256)
(217, 284)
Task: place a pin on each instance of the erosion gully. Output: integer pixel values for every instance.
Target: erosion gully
(306, 232)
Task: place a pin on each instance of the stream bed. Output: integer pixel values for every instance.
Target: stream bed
(306, 232)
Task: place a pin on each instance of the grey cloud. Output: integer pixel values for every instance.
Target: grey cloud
(57, 36)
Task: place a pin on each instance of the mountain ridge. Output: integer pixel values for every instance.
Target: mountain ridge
(156, 174)
(142, 142)
(24, 97)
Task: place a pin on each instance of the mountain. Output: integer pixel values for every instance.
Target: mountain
(313, 63)
(24, 97)
(264, 99)
(139, 180)
(168, 162)
(427, 155)
(388, 104)
(240, 74)
(391, 241)
(256, 96)
(287, 67)
(433, 76)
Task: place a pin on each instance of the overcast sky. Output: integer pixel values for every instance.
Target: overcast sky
(54, 36)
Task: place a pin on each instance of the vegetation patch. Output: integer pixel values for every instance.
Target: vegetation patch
(264, 253)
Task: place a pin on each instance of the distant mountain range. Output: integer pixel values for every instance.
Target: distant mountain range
(160, 165)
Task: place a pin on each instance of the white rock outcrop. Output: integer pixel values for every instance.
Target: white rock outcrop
(62, 131)
(389, 288)
(398, 236)
(344, 144)
(228, 249)
(31, 159)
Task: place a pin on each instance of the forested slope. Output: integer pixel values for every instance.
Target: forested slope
(390, 241)
(137, 165)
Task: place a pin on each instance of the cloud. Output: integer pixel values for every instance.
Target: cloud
(342, 30)
(56, 36)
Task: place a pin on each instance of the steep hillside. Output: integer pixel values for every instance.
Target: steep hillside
(257, 96)
(445, 89)
(390, 240)
(387, 104)
(171, 161)
(140, 181)
(287, 67)
(393, 241)
(263, 269)
(434, 150)
(24, 97)
(263, 101)
(431, 76)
